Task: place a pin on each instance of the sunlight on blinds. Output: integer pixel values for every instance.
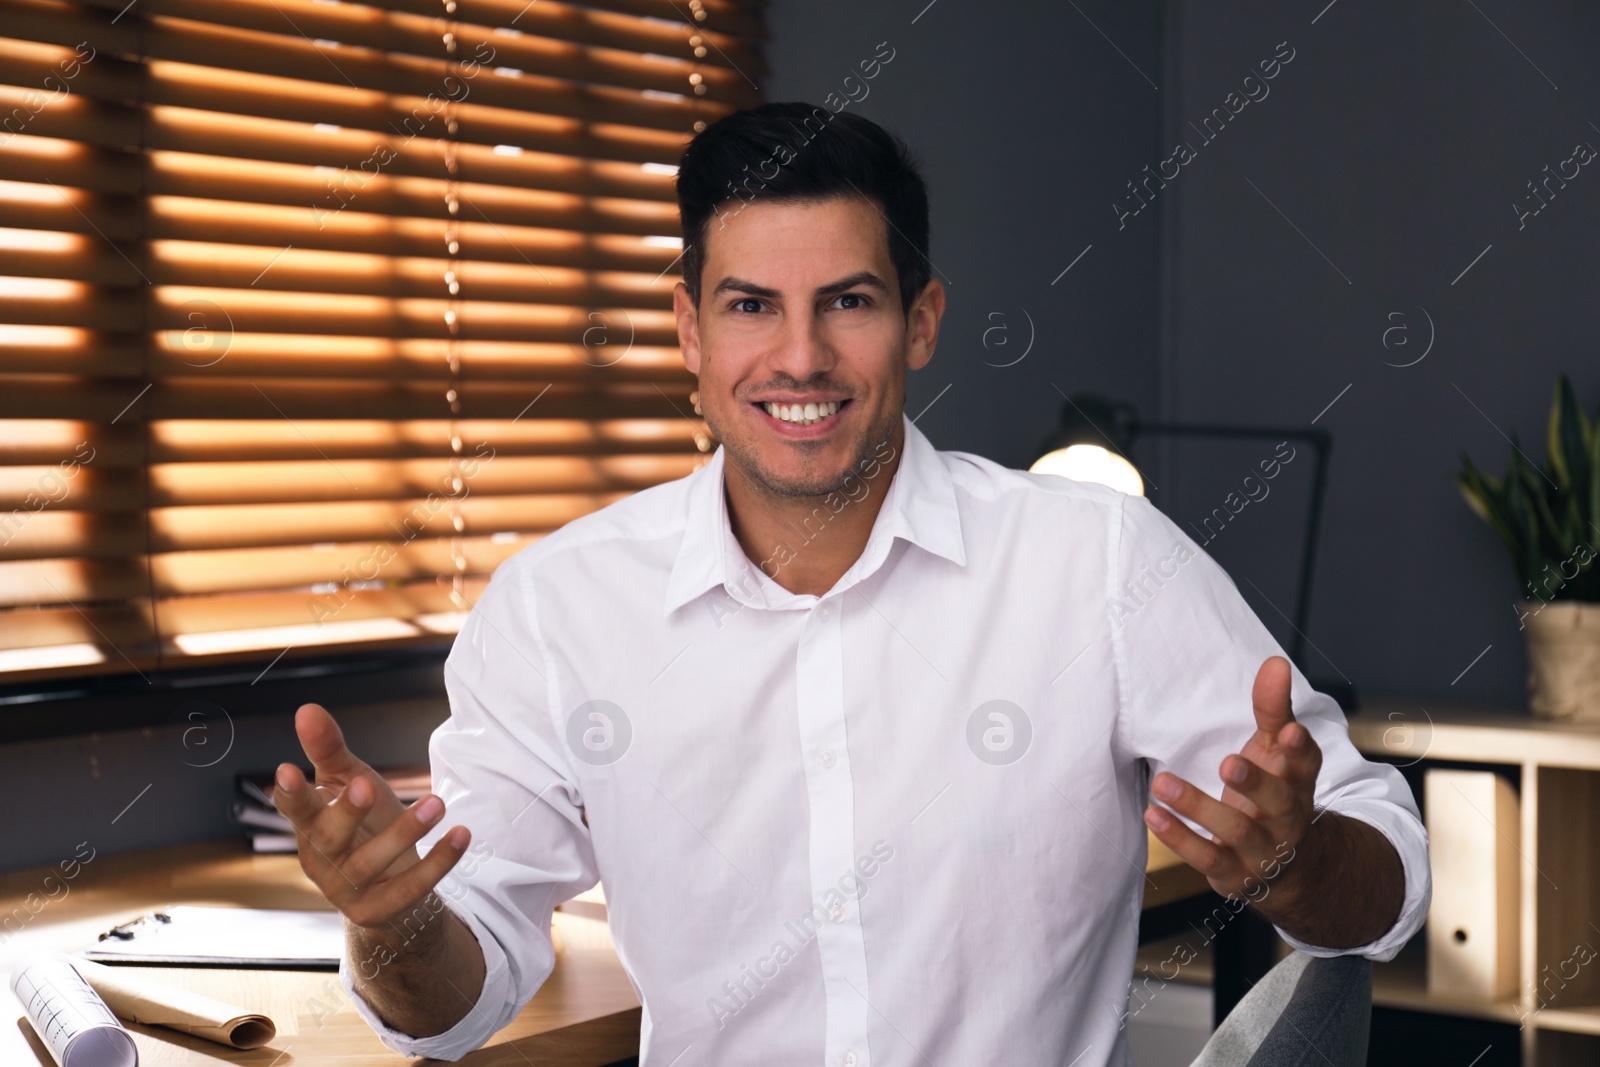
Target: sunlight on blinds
(312, 312)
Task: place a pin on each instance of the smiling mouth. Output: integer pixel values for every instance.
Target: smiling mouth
(808, 414)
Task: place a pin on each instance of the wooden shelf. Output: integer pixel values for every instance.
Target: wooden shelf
(1406, 731)
(1557, 768)
(1569, 1020)
(1403, 983)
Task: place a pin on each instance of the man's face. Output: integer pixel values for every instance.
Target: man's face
(800, 305)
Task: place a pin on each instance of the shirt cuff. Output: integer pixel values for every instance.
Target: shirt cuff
(1404, 831)
(476, 1027)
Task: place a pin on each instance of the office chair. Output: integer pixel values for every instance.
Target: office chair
(1307, 1012)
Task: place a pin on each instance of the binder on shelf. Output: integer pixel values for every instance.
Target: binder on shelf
(267, 828)
(1473, 921)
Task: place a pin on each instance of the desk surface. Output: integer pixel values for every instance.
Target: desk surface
(586, 1015)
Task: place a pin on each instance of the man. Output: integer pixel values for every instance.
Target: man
(860, 736)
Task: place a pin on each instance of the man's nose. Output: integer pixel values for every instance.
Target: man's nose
(803, 351)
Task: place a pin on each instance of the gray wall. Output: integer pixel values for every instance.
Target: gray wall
(126, 790)
(1302, 249)
(1027, 122)
(1396, 142)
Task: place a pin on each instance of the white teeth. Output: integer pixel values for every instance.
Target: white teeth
(802, 414)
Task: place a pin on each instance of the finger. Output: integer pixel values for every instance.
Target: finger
(316, 823)
(382, 902)
(1270, 696)
(1270, 795)
(1209, 858)
(368, 862)
(1232, 827)
(1301, 751)
(323, 742)
(295, 798)
(333, 829)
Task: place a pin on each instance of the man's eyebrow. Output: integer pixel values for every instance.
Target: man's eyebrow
(739, 285)
(857, 280)
(860, 278)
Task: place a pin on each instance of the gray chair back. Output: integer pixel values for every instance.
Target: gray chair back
(1308, 1011)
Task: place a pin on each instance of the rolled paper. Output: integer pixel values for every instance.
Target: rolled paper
(152, 1003)
(77, 1026)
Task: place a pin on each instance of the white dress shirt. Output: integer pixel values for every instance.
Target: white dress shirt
(897, 824)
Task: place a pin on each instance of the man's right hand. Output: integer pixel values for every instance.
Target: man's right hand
(357, 840)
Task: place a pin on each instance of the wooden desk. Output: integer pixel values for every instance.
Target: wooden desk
(586, 1015)
(1170, 879)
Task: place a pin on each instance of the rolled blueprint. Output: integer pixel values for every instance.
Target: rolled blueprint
(76, 1025)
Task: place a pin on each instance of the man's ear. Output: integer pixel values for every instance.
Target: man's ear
(688, 327)
(922, 324)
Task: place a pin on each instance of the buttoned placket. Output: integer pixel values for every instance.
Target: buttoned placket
(825, 754)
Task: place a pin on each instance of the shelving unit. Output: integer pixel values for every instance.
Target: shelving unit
(1557, 770)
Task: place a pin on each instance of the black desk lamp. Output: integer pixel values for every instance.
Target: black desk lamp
(1092, 442)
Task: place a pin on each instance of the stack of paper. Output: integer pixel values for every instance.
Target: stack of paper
(197, 936)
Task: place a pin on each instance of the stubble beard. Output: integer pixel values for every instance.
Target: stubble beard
(769, 483)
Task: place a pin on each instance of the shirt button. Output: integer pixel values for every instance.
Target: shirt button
(824, 611)
(848, 1059)
(836, 912)
(827, 758)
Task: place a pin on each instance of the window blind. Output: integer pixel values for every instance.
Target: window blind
(313, 311)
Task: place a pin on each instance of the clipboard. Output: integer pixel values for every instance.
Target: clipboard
(192, 935)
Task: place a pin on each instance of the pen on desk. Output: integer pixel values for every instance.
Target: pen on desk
(129, 930)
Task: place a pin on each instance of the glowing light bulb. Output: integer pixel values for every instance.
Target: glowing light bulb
(1091, 463)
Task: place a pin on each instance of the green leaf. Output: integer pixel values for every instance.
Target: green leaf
(1540, 492)
(1485, 497)
(1547, 514)
(1570, 436)
(1524, 527)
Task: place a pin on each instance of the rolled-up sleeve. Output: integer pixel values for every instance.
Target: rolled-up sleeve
(501, 766)
(465, 1035)
(1188, 649)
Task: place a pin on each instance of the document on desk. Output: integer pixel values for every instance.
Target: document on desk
(191, 935)
(143, 1000)
(76, 1025)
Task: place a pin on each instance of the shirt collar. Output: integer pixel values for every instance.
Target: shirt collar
(920, 506)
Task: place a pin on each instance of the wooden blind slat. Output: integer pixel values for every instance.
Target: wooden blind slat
(364, 24)
(265, 269)
(328, 191)
(201, 440)
(188, 219)
(251, 526)
(47, 396)
(203, 614)
(64, 582)
(216, 571)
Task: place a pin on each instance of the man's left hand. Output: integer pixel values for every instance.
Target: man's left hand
(1267, 805)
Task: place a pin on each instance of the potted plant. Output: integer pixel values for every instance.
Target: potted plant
(1549, 518)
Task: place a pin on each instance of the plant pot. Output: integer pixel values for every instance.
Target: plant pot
(1563, 659)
